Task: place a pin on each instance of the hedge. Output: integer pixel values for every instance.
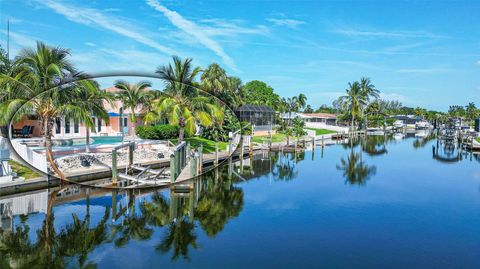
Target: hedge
(157, 132)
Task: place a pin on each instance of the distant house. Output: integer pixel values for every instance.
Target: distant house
(68, 128)
(325, 118)
(262, 117)
(407, 119)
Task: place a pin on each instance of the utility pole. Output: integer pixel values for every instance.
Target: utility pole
(8, 39)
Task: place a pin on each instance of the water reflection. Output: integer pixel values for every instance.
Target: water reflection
(208, 203)
(176, 222)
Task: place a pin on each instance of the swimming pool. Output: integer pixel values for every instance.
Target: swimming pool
(95, 140)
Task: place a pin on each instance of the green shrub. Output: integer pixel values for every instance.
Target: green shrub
(157, 132)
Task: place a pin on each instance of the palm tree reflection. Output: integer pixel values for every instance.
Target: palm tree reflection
(355, 171)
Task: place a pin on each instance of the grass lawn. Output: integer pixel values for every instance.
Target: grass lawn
(478, 139)
(208, 145)
(321, 131)
(275, 138)
(23, 171)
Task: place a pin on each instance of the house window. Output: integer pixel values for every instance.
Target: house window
(99, 125)
(125, 122)
(58, 124)
(67, 126)
(76, 127)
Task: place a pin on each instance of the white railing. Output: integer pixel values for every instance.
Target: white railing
(35, 159)
(321, 125)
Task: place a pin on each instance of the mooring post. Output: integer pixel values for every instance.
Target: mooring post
(114, 167)
(172, 168)
(313, 143)
(250, 147)
(323, 141)
(193, 166)
(131, 148)
(200, 158)
(216, 153)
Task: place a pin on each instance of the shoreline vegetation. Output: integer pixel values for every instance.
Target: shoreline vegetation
(192, 97)
(23, 171)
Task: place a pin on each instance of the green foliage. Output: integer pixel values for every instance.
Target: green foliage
(22, 170)
(220, 132)
(259, 93)
(157, 132)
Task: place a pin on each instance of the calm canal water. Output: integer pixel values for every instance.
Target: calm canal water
(383, 203)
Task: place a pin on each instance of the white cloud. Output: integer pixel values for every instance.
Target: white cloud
(94, 18)
(347, 31)
(425, 70)
(90, 44)
(393, 97)
(291, 23)
(194, 30)
(22, 40)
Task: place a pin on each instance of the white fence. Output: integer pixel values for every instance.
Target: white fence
(30, 156)
(321, 125)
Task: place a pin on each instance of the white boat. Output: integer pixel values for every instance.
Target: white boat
(375, 131)
(398, 136)
(421, 133)
(398, 124)
(423, 124)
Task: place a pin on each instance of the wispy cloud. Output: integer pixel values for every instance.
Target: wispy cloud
(90, 44)
(194, 30)
(425, 70)
(291, 23)
(21, 39)
(347, 31)
(478, 62)
(394, 96)
(95, 18)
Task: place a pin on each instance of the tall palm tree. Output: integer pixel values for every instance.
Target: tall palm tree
(44, 91)
(92, 100)
(182, 104)
(302, 100)
(471, 111)
(290, 104)
(10, 72)
(134, 96)
(353, 101)
(214, 80)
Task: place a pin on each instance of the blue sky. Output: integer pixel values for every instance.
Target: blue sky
(423, 53)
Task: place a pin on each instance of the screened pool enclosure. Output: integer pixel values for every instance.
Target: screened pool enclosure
(262, 117)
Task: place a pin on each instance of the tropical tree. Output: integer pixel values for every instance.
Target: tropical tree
(354, 100)
(471, 111)
(214, 80)
(134, 96)
(92, 105)
(182, 104)
(297, 125)
(259, 93)
(47, 90)
(301, 100)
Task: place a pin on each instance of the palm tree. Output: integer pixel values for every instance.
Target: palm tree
(134, 96)
(182, 104)
(92, 100)
(10, 72)
(471, 111)
(290, 105)
(353, 101)
(302, 100)
(214, 80)
(44, 92)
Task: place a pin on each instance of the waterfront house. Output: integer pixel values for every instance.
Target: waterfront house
(119, 121)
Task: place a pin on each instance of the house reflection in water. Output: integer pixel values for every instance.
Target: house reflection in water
(10, 207)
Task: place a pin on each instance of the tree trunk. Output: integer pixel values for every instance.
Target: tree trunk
(87, 141)
(181, 132)
(288, 140)
(47, 129)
